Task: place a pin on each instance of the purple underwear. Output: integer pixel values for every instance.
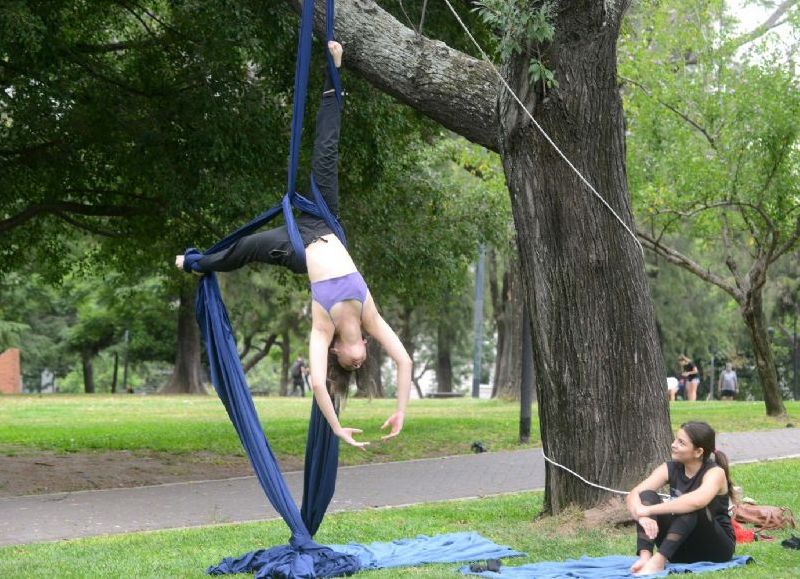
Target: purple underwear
(330, 292)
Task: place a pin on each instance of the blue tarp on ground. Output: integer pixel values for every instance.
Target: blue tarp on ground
(614, 566)
(448, 548)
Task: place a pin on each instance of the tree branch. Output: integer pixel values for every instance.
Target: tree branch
(773, 21)
(677, 258)
(261, 354)
(790, 243)
(61, 207)
(450, 87)
(668, 106)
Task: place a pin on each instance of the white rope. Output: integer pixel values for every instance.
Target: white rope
(591, 484)
(539, 127)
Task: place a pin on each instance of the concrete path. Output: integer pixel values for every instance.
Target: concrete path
(35, 518)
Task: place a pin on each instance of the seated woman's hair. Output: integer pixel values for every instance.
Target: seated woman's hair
(703, 436)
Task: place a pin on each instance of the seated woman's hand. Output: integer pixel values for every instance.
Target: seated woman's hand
(396, 422)
(346, 434)
(650, 527)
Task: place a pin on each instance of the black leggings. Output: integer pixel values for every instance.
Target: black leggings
(273, 246)
(686, 538)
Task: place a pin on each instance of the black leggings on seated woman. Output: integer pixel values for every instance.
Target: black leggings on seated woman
(686, 538)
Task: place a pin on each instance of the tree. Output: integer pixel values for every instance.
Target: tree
(714, 155)
(598, 367)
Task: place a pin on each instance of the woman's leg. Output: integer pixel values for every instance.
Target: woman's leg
(325, 158)
(645, 546)
(272, 247)
(691, 390)
(707, 541)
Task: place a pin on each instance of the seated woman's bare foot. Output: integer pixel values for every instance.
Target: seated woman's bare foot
(336, 51)
(644, 557)
(656, 564)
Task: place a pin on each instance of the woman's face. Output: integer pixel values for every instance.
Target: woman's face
(683, 450)
(351, 357)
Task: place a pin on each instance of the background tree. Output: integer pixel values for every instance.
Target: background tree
(594, 357)
(713, 154)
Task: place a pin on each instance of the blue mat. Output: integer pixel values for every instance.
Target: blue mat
(448, 548)
(601, 567)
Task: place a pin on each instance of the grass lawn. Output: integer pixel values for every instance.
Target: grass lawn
(506, 520)
(181, 424)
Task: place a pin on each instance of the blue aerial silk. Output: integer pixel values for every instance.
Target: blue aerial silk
(302, 558)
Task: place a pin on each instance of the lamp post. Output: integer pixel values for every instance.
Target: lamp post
(476, 361)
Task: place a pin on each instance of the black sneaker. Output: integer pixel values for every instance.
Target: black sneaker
(793, 543)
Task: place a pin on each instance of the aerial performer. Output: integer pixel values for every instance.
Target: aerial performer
(695, 525)
(342, 306)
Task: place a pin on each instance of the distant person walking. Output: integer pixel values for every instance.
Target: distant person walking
(298, 371)
(691, 377)
(728, 383)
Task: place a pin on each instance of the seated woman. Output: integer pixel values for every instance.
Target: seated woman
(342, 306)
(695, 524)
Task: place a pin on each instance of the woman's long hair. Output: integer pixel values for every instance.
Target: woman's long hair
(338, 380)
(703, 436)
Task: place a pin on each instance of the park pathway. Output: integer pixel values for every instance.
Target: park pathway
(34, 518)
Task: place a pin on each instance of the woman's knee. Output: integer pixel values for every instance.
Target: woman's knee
(649, 498)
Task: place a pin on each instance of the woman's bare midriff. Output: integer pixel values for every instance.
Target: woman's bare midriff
(327, 258)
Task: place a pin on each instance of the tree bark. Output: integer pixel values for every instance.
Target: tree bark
(444, 357)
(369, 382)
(87, 361)
(508, 377)
(599, 372)
(115, 374)
(753, 313)
(187, 375)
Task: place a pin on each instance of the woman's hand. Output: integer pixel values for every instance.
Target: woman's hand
(641, 511)
(346, 434)
(396, 422)
(650, 527)
(179, 261)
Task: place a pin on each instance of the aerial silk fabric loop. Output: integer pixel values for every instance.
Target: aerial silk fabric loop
(302, 557)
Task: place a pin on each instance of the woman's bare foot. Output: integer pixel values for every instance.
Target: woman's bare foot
(656, 564)
(336, 51)
(644, 557)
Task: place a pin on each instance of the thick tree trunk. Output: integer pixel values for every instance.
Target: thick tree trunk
(508, 378)
(407, 338)
(369, 383)
(187, 375)
(753, 313)
(444, 357)
(87, 361)
(599, 373)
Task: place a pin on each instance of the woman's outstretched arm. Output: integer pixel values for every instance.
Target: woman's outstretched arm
(377, 327)
(321, 336)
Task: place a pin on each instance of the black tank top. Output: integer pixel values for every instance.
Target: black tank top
(680, 484)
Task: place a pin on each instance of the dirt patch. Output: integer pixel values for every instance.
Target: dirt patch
(29, 473)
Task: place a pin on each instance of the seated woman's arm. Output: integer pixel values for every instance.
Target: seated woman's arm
(657, 479)
(713, 483)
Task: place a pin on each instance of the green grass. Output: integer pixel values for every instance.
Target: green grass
(178, 424)
(506, 519)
